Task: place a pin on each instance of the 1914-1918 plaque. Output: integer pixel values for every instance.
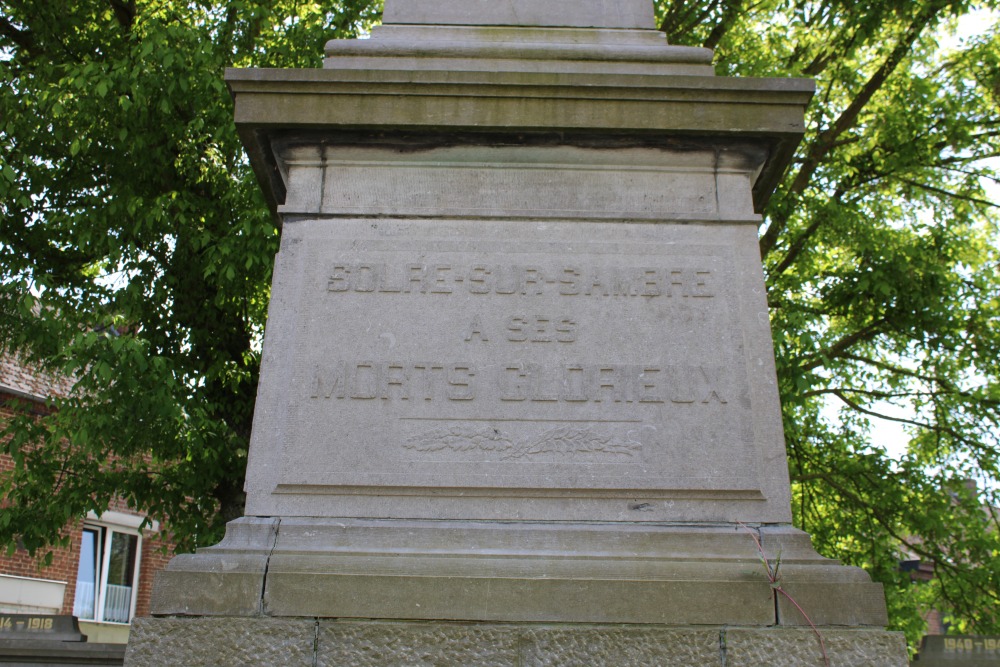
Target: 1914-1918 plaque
(518, 369)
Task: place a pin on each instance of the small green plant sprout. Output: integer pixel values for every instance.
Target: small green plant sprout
(774, 578)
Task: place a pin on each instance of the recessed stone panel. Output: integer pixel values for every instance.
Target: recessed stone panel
(477, 359)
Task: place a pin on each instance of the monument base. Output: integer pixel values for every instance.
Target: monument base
(540, 572)
(320, 591)
(317, 642)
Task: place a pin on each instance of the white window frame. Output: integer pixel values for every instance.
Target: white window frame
(108, 524)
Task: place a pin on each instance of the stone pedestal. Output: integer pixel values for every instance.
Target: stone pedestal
(518, 401)
(230, 642)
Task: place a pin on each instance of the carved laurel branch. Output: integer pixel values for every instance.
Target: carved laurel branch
(564, 441)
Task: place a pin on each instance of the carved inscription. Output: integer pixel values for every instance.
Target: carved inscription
(519, 381)
(524, 329)
(22, 623)
(513, 329)
(515, 280)
(421, 380)
(970, 646)
(563, 441)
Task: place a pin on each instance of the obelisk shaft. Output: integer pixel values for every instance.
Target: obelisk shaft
(541, 13)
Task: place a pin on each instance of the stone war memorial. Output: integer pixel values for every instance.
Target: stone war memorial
(517, 403)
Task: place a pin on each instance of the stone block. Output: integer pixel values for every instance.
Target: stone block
(774, 647)
(833, 603)
(337, 643)
(531, 599)
(221, 642)
(223, 585)
(515, 571)
(53, 652)
(621, 647)
(416, 645)
(959, 651)
(501, 369)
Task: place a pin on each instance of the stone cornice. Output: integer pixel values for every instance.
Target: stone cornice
(269, 102)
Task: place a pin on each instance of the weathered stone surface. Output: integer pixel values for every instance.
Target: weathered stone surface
(224, 586)
(801, 648)
(221, 642)
(514, 571)
(494, 359)
(562, 13)
(706, 182)
(833, 602)
(520, 35)
(332, 643)
(530, 599)
(419, 645)
(229, 583)
(269, 102)
(625, 647)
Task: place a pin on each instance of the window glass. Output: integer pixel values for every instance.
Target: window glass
(85, 605)
(106, 575)
(121, 571)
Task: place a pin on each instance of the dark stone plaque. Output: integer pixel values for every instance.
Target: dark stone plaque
(959, 650)
(40, 626)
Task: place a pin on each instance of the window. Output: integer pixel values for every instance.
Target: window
(108, 574)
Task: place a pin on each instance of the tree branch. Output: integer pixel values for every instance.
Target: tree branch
(882, 395)
(936, 428)
(840, 347)
(948, 193)
(731, 11)
(826, 139)
(800, 243)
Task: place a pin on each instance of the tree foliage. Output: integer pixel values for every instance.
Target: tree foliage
(881, 255)
(136, 250)
(136, 247)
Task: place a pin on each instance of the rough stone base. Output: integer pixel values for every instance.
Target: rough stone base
(308, 642)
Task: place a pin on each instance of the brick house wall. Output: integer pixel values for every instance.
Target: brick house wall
(19, 392)
(20, 564)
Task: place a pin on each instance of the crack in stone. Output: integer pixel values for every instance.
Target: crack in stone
(315, 660)
(275, 525)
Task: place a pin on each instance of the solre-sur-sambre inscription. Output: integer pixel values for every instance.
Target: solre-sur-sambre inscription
(456, 370)
(525, 280)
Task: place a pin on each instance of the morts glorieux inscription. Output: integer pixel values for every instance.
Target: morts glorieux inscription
(510, 368)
